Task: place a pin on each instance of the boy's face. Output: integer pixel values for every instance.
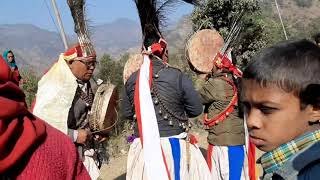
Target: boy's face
(274, 116)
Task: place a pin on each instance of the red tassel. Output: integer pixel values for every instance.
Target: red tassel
(252, 161)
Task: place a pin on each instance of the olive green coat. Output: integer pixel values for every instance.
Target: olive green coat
(216, 94)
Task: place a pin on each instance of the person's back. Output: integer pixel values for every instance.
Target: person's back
(174, 97)
(55, 158)
(217, 94)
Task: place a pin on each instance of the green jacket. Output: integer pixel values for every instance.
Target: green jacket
(216, 94)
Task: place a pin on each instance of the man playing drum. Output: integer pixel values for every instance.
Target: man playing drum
(217, 86)
(66, 92)
(161, 98)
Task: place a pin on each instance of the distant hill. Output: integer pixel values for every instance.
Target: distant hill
(300, 17)
(31, 45)
(39, 48)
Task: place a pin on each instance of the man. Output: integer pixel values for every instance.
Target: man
(225, 125)
(29, 147)
(281, 94)
(160, 99)
(65, 93)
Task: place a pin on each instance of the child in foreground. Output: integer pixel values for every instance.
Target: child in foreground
(281, 96)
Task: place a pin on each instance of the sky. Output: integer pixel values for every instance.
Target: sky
(41, 14)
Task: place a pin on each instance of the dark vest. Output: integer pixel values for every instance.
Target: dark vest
(173, 96)
(77, 118)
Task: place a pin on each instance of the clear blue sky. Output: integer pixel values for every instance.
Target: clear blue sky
(99, 12)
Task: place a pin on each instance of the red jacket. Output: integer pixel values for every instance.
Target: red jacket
(56, 158)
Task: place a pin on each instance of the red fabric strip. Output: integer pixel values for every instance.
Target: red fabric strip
(252, 161)
(137, 107)
(165, 163)
(209, 155)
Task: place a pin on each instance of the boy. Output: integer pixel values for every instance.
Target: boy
(281, 95)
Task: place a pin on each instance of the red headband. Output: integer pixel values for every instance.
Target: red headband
(74, 52)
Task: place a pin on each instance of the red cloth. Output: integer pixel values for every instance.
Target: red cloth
(223, 62)
(29, 148)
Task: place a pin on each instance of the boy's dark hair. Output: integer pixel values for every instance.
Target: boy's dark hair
(293, 66)
(316, 38)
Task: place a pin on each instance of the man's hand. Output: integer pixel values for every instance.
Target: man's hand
(99, 138)
(83, 136)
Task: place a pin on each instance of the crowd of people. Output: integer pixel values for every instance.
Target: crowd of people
(273, 105)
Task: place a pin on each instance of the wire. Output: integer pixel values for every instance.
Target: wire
(284, 29)
(49, 12)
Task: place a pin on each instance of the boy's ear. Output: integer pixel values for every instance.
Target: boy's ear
(311, 96)
(314, 113)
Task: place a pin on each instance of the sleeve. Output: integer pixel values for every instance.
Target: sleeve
(192, 103)
(127, 108)
(73, 134)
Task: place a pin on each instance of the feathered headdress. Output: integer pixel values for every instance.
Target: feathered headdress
(152, 16)
(85, 47)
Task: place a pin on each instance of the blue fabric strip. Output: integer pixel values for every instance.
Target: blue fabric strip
(176, 154)
(236, 159)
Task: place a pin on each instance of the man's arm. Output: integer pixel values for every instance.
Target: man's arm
(192, 103)
(127, 108)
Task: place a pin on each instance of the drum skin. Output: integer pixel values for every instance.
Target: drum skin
(202, 48)
(132, 65)
(104, 112)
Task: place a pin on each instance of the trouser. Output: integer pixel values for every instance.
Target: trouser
(227, 162)
(176, 155)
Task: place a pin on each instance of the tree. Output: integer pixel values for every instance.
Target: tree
(112, 71)
(29, 85)
(220, 14)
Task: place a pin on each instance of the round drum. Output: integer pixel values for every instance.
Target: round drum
(201, 49)
(132, 65)
(104, 112)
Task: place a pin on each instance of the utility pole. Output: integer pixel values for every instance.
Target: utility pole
(62, 33)
(284, 29)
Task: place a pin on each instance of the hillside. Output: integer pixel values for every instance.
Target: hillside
(39, 48)
(300, 17)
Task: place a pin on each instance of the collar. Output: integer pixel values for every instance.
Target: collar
(273, 160)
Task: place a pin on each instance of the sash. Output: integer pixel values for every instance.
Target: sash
(154, 159)
(56, 90)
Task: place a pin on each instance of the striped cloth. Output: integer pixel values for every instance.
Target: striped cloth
(176, 154)
(273, 160)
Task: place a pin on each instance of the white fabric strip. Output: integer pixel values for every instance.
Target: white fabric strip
(153, 159)
(56, 90)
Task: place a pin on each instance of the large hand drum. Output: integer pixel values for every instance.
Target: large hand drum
(201, 49)
(132, 65)
(104, 112)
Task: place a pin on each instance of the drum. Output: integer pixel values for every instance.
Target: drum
(201, 49)
(132, 65)
(104, 111)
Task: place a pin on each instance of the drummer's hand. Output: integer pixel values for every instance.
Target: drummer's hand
(100, 138)
(83, 136)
